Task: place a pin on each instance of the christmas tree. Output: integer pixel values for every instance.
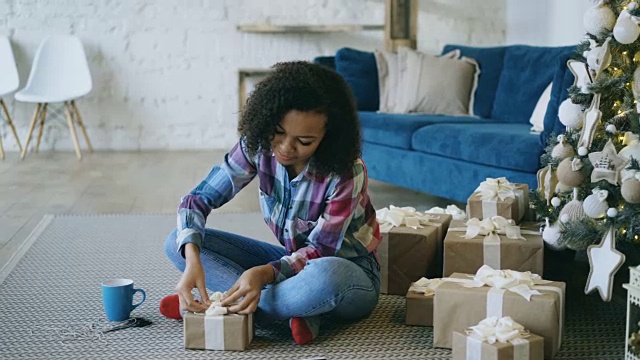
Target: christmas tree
(589, 184)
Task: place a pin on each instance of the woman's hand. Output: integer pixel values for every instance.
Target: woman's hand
(192, 277)
(249, 286)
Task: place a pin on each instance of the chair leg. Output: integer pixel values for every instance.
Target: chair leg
(81, 123)
(10, 122)
(33, 125)
(72, 129)
(43, 115)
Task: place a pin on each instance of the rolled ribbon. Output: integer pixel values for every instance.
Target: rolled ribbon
(494, 329)
(426, 286)
(576, 164)
(402, 216)
(494, 189)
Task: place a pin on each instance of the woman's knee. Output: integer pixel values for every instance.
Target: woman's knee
(171, 249)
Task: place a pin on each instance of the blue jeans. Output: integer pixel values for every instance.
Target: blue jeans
(348, 289)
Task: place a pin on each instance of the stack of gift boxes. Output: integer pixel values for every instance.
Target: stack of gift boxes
(491, 301)
(477, 280)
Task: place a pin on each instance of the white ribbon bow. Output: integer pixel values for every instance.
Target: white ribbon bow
(404, 216)
(493, 329)
(630, 174)
(426, 286)
(518, 282)
(600, 194)
(455, 212)
(494, 189)
(491, 227)
(576, 164)
(216, 307)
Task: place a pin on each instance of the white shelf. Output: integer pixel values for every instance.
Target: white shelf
(278, 29)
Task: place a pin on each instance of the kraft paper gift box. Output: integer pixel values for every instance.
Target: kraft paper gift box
(410, 248)
(499, 197)
(217, 332)
(493, 242)
(419, 302)
(502, 339)
(458, 306)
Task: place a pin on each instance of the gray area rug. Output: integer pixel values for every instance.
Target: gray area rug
(55, 286)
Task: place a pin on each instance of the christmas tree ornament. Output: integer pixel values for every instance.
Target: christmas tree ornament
(563, 149)
(591, 119)
(582, 151)
(547, 181)
(633, 146)
(611, 129)
(555, 202)
(598, 57)
(573, 210)
(599, 18)
(562, 188)
(570, 114)
(635, 86)
(570, 172)
(626, 30)
(551, 236)
(582, 76)
(595, 205)
(604, 261)
(606, 164)
(630, 189)
(612, 212)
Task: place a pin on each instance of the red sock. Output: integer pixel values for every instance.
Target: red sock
(300, 330)
(170, 307)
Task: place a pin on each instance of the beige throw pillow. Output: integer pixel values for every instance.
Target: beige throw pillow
(537, 117)
(397, 81)
(439, 85)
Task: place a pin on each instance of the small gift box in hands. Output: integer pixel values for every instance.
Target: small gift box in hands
(216, 329)
(497, 339)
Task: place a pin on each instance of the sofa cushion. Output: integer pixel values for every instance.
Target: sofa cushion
(490, 61)
(328, 61)
(396, 130)
(526, 72)
(359, 69)
(507, 146)
(562, 80)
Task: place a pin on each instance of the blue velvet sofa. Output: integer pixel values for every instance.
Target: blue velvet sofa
(448, 156)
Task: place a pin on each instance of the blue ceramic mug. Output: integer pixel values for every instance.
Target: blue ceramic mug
(117, 298)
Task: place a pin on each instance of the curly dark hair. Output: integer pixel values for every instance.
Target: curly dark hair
(304, 86)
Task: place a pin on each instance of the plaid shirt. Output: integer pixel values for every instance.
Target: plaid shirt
(312, 215)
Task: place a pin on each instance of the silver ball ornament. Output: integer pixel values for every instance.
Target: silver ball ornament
(594, 208)
(555, 202)
(612, 212)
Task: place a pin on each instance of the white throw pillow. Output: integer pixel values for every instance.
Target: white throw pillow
(537, 117)
(397, 80)
(437, 84)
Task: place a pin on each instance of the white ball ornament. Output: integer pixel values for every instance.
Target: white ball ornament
(626, 30)
(555, 202)
(611, 129)
(598, 18)
(563, 149)
(595, 205)
(582, 151)
(551, 236)
(612, 212)
(570, 114)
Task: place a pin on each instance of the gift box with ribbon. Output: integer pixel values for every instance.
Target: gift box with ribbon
(419, 302)
(499, 197)
(410, 248)
(217, 330)
(464, 300)
(497, 339)
(495, 242)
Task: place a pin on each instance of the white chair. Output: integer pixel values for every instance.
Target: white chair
(59, 73)
(9, 82)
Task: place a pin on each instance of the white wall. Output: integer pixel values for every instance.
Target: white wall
(165, 71)
(545, 22)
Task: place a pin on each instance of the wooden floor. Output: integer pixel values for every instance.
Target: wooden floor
(122, 183)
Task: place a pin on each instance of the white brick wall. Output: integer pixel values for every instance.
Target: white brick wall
(164, 71)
